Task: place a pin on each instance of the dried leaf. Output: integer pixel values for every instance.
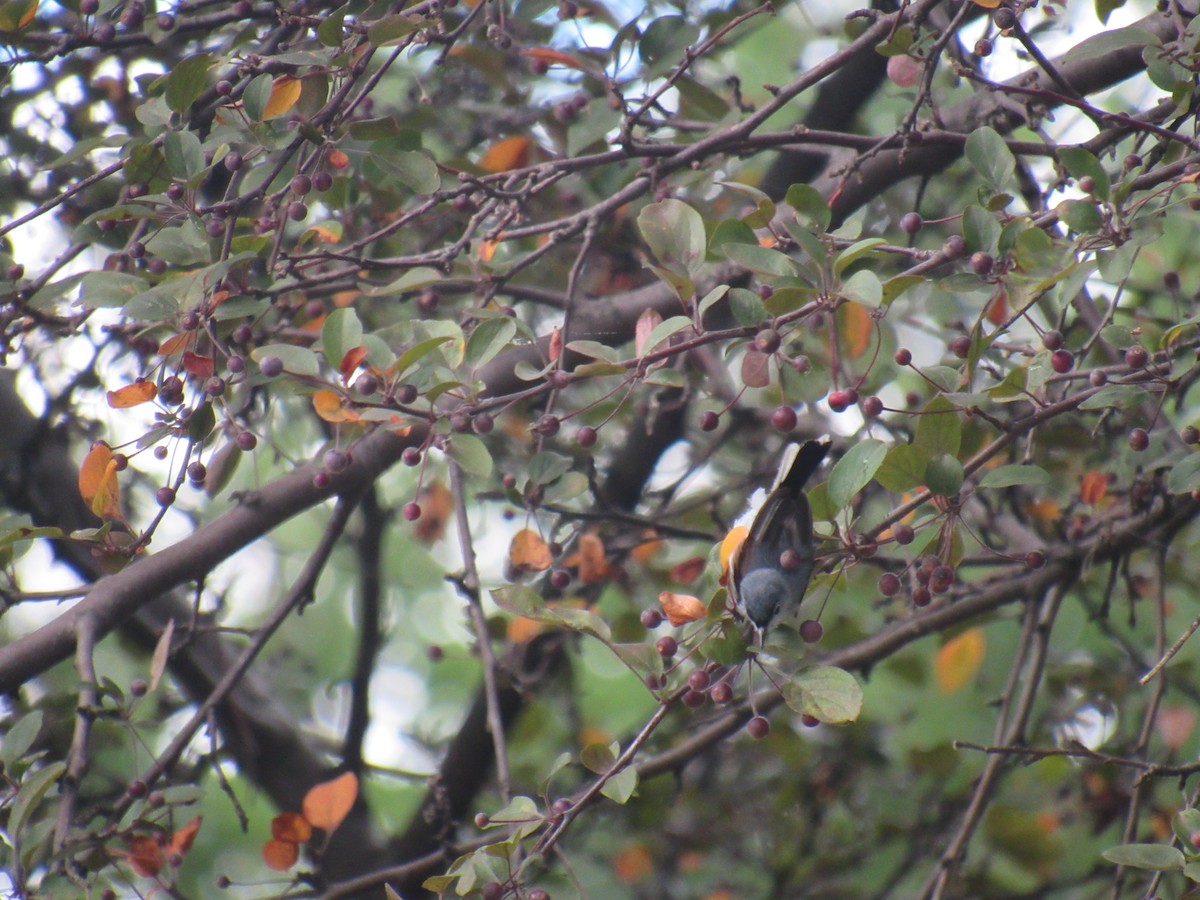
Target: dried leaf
(162, 652)
(554, 57)
(958, 660)
(528, 552)
(554, 351)
(198, 366)
(689, 570)
(98, 482)
(145, 855)
(523, 629)
(1093, 487)
(132, 395)
(681, 608)
(329, 405)
(437, 504)
(646, 550)
(507, 154)
(280, 855)
(856, 326)
(182, 840)
(291, 827)
(756, 369)
(326, 804)
(646, 323)
(351, 361)
(177, 343)
(996, 310)
(285, 91)
(591, 559)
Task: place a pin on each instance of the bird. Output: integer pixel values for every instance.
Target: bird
(771, 568)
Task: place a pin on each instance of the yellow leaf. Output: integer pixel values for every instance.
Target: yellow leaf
(504, 155)
(328, 405)
(326, 804)
(958, 660)
(285, 91)
(528, 552)
(590, 558)
(98, 482)
(132, 394)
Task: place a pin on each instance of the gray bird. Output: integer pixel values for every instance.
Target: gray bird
(764, 582)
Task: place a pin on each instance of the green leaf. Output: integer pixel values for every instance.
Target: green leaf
(1145, 856)
(760, 260)
(33, 789)
(863, 287)
(675, 234)
(621, 786)
(256, 95)
(184, 154)
(1107, 42)
(412, 168)
(1118, 395)
(827, 693)
(524, 601)
(1079, 215)
(854, 253)
(980, 229)
(764, 207)
(854, 470)
(664, 330)
(904, 469)
(412, 280)
(391, 28)
(939, 429)
(20, 738)
(420, 350)
(747, 307)
(490, 337)
(296, 360)
(341, 332)
(520, 813)
(789, 299)
(1012, 475)
(471, 454)
(944, 475)
(186, 81)
(812, 210)
(1184, 477)
(663, 43)
(109, 289)
(595, 350)
(708, 300)
(548, 466)
(330, 31)
(990, 156)
(599, 758)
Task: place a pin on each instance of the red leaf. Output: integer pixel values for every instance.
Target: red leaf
(198, 366)
(280, 855)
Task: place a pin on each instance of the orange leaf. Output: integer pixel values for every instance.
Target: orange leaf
(1093, 487)
(98, 482)
(437, 503)
(326, 804)
(280, 855)
(987, 4)
(731, 545)
(554, 351)
(329, 406)
(132, 395)
(488, 247)
(323, 233)
(351, 361)
(291, 827)
(528, 552)
(145, 855)
(680, 608)
(633, 864)
(855, 327)
(198, 366)
(688, 571)
(521, 629)
(645, 551)
(285, 91)
(996, 310)
(176, 343)
(507, 154)
(958, 660)
(181, 840)
(593, 564)
(553, 57)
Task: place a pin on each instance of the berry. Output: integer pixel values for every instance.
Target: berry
(667, 647)
(137, 789)
(175, 190)
(982, 263)
(482, 820)
(811, 631)
(138, 687)
(197, 472)
(106, 33)
(651, 618)
(560, 579)
(921, 596)
(693, 699)
(322, 480)
(1136, 356)
(411, 456)
(941, 579)
(653, 682)
(427, 302)
(1139, 439)
(460, 423)
(215, 386)
(548, 425)
(297, 211)
(160, 452)
(215, 227)
(483, 423)
(271, 366)
(1035, 559)
(903, 357)
(233, 161)
(954, 246)
(809, 721)
(246, 441)
(121, 461)
(301, 185)
(983, 47)
(1132, 161)
(336, 460)
(961, 346)
(366, 384)
(783, 419)
(721, 692)
(559, 379)
(411, 511)
(1061, 361)
(224, 88)
(789, 559)
(1087, 184)
(699, 680)
(237, 364)
(1098, 378)
(767, 341)
(435, 653)
(157, 799)
(493, 890)
(322, 181)
(560, 806)
(758, 727)
(709, 421)
(89, 7)
(903, 71)
(838, 400)
(911, 222)
(586, 436)
(242, 8)
(15, 272)
(1190, 434)
(1052, 340)
(1004, 18)
(164, 496)
(872, 406)
(509, 481)
(464, 204)
(889, 584)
